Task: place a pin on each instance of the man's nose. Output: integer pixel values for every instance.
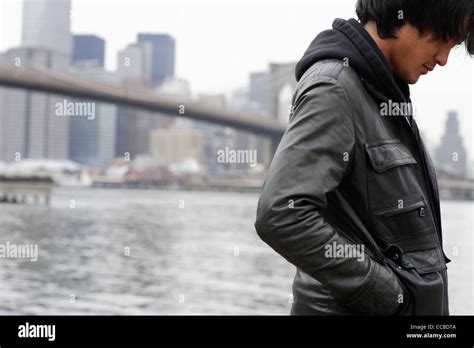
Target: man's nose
(442, 56)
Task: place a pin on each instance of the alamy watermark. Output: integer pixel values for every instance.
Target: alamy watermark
(28, 330)
(19, 251)
(343, 251)
(392, 108)
(80, 109)
(228, 155)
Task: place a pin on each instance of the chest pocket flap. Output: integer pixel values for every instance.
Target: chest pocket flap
(387, 154)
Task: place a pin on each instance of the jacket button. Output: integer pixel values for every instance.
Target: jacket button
(422, 211)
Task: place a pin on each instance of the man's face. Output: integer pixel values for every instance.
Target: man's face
(414, 55)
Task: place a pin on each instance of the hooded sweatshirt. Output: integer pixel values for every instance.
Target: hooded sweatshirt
(349, 40)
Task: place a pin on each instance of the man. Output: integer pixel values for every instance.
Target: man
(351, 197)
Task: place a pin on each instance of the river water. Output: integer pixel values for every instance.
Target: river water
(168, 252)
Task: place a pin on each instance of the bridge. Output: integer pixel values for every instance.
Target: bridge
(46, 81)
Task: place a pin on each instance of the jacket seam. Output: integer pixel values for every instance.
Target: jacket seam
(351, 157)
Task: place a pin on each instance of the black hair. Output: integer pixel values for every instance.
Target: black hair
(443, 19)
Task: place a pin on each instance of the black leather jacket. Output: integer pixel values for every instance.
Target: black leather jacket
(345, 175)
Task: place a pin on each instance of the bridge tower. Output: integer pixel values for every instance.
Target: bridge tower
(282, 84)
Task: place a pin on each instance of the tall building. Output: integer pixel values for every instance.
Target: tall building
(134, 64)
(88, 50)
(92, 140)
(29, 125)
(163, 56)
(13, 130)
(132, 132)
(451, 154)
(46, 24)
(134, 126)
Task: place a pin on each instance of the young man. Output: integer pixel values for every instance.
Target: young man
(351, 196)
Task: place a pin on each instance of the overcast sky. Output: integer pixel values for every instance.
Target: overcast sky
(218, 43)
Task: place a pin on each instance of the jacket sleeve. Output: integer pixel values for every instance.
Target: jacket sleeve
(310, 162)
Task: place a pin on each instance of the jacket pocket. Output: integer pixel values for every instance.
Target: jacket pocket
(420, 272)
(399, 212)
(392, 172)
(407, 222)
(387, 154)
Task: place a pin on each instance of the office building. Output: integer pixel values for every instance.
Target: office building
(46, 24)
(88, 50)
(163, 56)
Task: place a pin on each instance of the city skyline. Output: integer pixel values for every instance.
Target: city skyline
(255, 52)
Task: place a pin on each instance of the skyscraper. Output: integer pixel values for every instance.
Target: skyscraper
(28, 121)
(134, 64)
(88, 50)
(163, 56)
(29, 126)
(46, 24)
(92, 140)
(133, 126)
(451, 154)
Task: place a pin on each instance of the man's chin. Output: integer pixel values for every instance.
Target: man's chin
(409, 79)
(413, 79)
